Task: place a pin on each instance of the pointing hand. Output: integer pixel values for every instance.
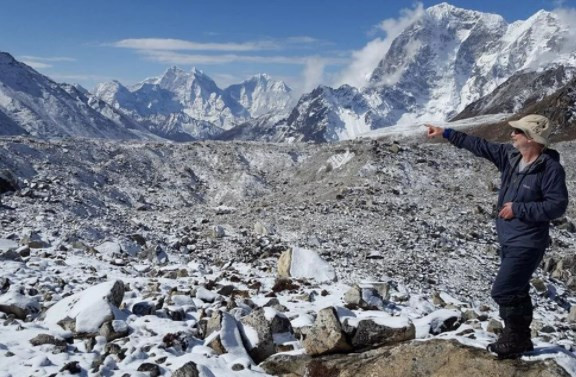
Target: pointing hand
(434, 131)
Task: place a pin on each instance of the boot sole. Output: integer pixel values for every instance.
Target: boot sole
(507, 356)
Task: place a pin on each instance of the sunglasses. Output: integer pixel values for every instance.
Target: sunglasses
(517, 131)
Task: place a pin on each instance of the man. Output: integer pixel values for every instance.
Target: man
(532, 193)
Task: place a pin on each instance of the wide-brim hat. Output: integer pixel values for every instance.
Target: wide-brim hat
(536, 127)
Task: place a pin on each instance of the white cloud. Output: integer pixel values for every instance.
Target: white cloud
(303, 40)
(365, 60)
(171, 44)
(171, 57)
(313, 73)
(559, 3)
(567, 17)
(36, 65)
(179, 44)
(47, 59)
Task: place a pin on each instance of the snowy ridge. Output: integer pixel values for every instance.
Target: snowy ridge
(445, 60)
(183, 105)
(42, 108)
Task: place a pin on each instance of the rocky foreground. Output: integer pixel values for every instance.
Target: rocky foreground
(367, 257)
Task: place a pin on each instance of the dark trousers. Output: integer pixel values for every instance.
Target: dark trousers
(512, 285)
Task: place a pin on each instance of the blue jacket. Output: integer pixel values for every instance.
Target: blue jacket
(538, 194)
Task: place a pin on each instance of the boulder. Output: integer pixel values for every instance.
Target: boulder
(370, 333)
(8, 182)
(257, 335)
(438, 358)
(187, 370)
(326, 336)
(152, 369)
(34, 240)
(438, 322)
(143, 308)
(60, 345)
(155, 254)
(109, 249)
(304, 263)
(113, 330)
(7, 245)
(21, 306)
(90, 308)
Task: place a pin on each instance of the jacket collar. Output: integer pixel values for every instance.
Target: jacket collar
(514, 157)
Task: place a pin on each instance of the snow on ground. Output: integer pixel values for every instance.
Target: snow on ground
(370, 219)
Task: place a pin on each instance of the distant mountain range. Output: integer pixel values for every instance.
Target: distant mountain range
(451, 63)
(446, 60)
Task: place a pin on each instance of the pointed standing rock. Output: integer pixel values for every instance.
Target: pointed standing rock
(326, 336)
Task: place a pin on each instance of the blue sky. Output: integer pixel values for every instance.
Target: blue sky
(303, 42)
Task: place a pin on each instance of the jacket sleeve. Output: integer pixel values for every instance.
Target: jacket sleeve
(554, 202)
(494, 152)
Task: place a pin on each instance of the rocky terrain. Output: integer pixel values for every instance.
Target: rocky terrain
(224, 254)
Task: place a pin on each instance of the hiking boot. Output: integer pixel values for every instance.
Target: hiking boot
(511, 344)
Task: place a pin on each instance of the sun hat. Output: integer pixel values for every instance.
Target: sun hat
(536, 127)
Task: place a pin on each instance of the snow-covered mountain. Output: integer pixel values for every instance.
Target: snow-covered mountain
(442, 62)
(186, 105)
(32, 103)
(327, 114)
(447, 59)
(261, 95)
(519, 91)
(121, 120)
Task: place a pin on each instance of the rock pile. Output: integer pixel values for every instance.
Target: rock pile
(207, 258)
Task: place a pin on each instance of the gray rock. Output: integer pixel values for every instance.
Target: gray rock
(155, 254)
(8, 181)
(443, 323)
(7, 245)
(439, 358)
(143, 308)
(265, 346)
(47, 339)
(153, 369)
(494, 326)
(280, 324)
(187, 370)
(369, 334)
(286, 365)
(114, 330)
(19, 305)
(326, 336)
(353, 297)
(10, 255)
(73, 367)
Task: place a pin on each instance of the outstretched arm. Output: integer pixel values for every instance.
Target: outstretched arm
(496, 153)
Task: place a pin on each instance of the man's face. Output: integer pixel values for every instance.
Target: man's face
(519, 138)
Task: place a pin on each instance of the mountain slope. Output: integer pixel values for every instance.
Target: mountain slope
(42, 108)
(260, 95)
(183, 106)
(519, 91)
(559, 107)
(445, 60)
(327, 114)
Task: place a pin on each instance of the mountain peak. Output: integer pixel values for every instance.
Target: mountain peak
(261, 77)
(174, 71)
(6, 58)
(445, 11)
(196, 71)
